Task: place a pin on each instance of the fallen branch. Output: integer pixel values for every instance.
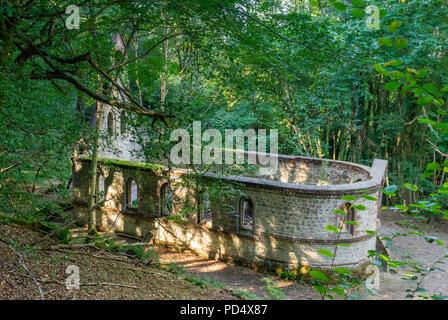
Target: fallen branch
(67, 246)
(27, 270)
(92, 284)
(109, 284)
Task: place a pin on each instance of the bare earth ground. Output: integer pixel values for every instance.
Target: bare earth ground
(392, 286)
(107, 276)
(102, 275)
(415, 249)
(236, 277)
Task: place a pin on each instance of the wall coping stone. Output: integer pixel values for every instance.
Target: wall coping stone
(376, 172)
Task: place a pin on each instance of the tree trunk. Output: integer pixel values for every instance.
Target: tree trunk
(94, 168)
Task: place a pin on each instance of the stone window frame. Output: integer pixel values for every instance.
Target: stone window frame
(200, 200)
(350, 215)
(242, 215)
(123, 124)
(110, 123)
(162, 196)
(98, 185)
(128, 195)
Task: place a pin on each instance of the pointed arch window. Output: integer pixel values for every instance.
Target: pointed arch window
(246, 212)
(132, 194)
(166, 199)
(110, 123)
(101, 190)
(123, 124)
(204, 207)
(350, 215)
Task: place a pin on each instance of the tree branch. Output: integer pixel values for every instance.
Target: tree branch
(81, 87)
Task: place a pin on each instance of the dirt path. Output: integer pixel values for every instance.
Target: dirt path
(236, 277)
(392, 286)
(414, 249)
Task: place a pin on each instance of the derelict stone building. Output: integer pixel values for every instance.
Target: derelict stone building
(280, 219)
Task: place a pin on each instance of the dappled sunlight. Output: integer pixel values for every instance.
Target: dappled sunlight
(207, 267)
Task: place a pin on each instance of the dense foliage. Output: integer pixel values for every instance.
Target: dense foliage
(313, 70)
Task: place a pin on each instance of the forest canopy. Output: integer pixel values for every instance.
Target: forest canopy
(333, 85)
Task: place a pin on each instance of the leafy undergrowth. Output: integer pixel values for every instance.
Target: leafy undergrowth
(102, 274)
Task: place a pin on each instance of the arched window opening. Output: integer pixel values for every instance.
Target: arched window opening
(247, 213)
(204, 207)
(101, 190)
(344, 220)
(166, 198)
(110, 123)
(132, 194)
(123, 123)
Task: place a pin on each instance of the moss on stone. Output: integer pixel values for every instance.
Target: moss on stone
(143, 165)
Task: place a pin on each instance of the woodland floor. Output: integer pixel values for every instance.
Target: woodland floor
(103, 275)
(411, 248)
(416, 250)
(113, 276)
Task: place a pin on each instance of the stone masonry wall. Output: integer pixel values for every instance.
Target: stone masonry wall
(119, 146)
(289, 224)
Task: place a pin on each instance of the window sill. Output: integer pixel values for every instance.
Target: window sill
(246, 232)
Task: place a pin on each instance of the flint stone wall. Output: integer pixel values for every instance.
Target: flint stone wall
(289, 219)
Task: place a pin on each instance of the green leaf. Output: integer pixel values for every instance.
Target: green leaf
(355, 223)
(332, 228)
(384, 257)
(380, 69)
(432, 166)
(428, 121)
(318, 275)
(339, 211)
(342, 270)
(358, 13)
(325, 253)
(430, 239)
(391, 188)
(359, 207)
(425, 100)
(338, 290)
(402, 207)
(393, 63)
(430, 87)
(370, 198)
(392, 86)
(385, 42)
(401, 43)
(349, 198)
(410, 187)
(393, 26)
(320, 289)
(340, 6)
(358, 3)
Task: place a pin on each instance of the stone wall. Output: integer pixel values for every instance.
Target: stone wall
(289, 219)
(118, 145)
